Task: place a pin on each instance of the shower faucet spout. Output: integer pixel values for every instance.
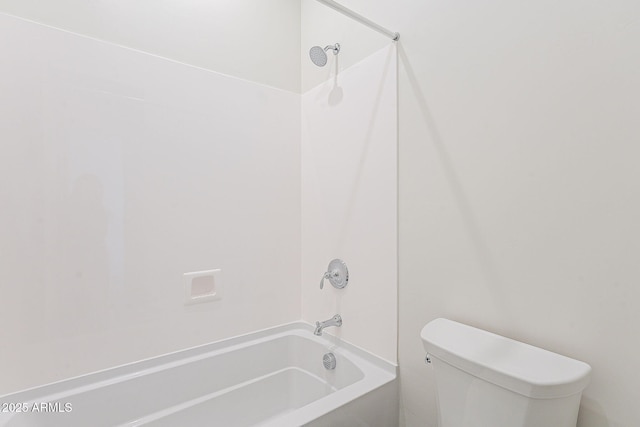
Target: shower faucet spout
(334, 321)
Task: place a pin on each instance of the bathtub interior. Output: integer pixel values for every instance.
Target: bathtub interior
(255, 380)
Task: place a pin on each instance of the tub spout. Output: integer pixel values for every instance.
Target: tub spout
(334, 321)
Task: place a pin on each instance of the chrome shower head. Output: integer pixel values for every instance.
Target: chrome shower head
(318, 55)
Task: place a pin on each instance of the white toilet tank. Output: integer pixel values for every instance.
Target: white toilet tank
(486, 380)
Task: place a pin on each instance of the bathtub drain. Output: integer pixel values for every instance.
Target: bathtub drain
(329, 361)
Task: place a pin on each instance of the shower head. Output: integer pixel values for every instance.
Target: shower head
(318, 55)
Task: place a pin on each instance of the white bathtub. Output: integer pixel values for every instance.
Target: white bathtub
(269, 378)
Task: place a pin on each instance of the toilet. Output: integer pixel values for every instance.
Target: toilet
(487, 380)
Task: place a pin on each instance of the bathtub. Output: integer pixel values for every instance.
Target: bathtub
(269, 378)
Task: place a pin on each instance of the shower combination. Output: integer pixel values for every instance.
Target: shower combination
(318, 55)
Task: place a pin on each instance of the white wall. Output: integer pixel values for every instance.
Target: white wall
(119, 172)
(253, 39)
(519, 194)
(349, 200)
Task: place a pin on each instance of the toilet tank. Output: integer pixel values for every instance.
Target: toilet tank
(487, 380)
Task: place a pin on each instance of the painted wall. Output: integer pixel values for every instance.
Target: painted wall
(349, 201)
(519, 189)
(121, 171)
(252, 39)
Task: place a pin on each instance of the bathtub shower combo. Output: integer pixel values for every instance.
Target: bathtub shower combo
(286, 376)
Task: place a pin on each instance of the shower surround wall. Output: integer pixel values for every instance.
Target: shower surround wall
(349, 199)
(121, 171)
(255, 40)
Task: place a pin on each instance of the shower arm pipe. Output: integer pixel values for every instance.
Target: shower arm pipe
(351, 14)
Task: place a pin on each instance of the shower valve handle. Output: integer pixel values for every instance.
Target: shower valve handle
(328, 275)
(337, 274)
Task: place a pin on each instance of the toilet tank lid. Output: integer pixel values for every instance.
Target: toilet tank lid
(519, 367)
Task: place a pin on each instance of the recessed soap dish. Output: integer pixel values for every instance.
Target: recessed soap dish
(201, 286)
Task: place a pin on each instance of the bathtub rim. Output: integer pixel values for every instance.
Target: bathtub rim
(97, 379)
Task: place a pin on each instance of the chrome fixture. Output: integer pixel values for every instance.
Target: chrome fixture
(337, 274)
(334, 321)
(318, 55)
(329, 361)
(369, 23)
